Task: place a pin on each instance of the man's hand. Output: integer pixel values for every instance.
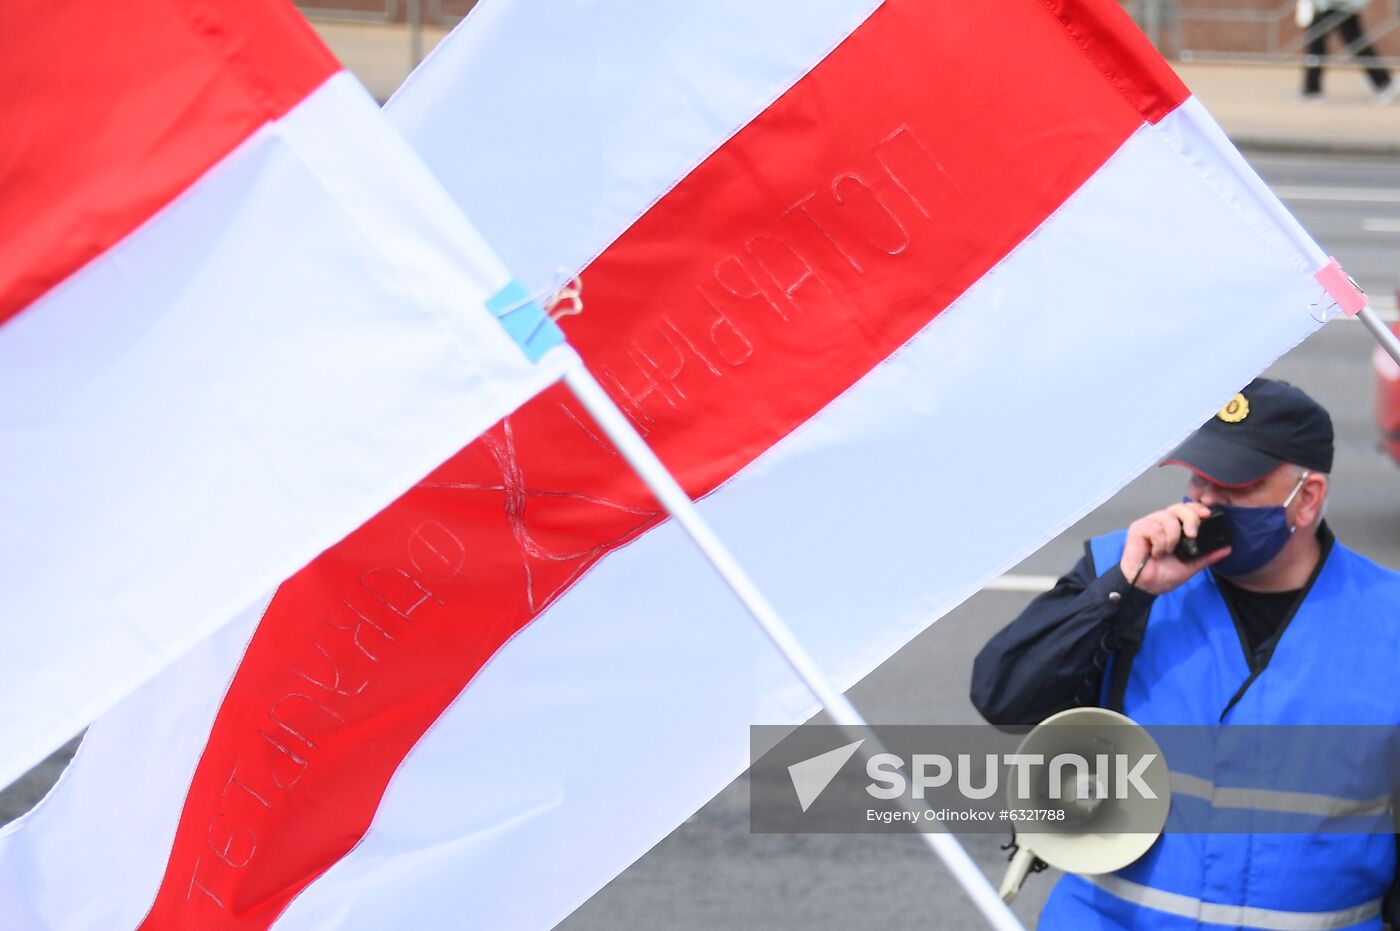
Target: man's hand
(1156, 535)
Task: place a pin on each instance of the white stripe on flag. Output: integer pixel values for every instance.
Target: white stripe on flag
(638, 94)
(100, 841)
(280, 352)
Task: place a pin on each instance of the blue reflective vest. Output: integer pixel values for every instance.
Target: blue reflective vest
(1335, 663)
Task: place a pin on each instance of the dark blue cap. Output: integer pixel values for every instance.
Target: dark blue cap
(1265, 425)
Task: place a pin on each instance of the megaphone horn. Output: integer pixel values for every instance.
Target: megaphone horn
(1099, 789)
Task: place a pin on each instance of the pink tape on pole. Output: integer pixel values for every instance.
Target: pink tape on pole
(1343, 290)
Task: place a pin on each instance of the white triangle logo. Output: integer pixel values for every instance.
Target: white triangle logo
(811, 777)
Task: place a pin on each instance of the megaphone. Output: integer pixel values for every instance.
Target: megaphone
(1103, 819)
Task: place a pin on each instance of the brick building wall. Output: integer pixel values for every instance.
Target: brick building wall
(1203, 26)
(1258, 26)
(444, 12)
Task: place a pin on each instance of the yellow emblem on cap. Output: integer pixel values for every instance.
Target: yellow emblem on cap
(1236, 410)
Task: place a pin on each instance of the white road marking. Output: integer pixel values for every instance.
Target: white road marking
(1324, 162)
(1381, 225)
(1375, 195)
(1021, 583)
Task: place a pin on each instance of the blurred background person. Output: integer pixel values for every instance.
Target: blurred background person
(1338, 17)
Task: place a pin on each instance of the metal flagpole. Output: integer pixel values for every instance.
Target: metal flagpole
(678, 504)
(1380, 331)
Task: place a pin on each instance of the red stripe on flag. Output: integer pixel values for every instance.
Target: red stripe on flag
(766, 283)
(111, 110)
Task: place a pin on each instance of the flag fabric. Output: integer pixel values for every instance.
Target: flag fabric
(901, 310)
(237, 317)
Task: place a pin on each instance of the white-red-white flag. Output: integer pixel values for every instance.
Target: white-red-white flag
(899, 307)
(237, 317)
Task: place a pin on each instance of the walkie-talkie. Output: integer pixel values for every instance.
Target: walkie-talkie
(1212, 535)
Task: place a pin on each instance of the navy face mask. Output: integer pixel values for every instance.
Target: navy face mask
(1259, 533)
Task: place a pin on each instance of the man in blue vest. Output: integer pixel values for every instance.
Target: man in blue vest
(1283, 627)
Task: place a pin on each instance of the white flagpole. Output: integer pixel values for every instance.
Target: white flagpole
(678, 504)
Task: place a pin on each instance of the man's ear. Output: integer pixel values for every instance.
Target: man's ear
(1310, 499)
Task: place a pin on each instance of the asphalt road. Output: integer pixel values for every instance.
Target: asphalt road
(711, 872)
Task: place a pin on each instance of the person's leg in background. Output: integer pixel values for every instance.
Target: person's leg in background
(1317, 47)
(1350, 28)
